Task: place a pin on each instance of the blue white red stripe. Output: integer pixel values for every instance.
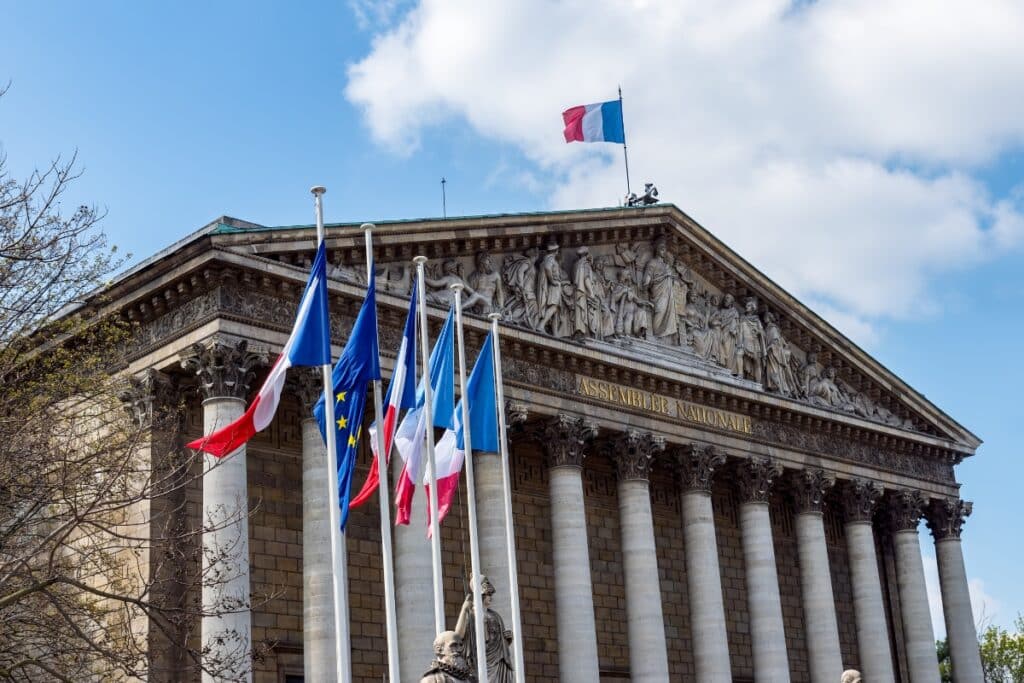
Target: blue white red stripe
(307, 345)
(598, 122)
(399, 396)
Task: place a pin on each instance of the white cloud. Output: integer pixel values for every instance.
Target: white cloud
(833, 144)
(985, 608)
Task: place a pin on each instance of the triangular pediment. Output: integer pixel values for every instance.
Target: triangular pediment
(648, 285)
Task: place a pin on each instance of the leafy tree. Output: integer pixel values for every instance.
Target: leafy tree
(98, 567)
(1002, 654)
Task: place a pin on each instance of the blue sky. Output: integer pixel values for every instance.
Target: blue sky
(867, 158)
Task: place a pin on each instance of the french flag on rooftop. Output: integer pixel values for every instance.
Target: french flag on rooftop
(309, 344)
(599, 122)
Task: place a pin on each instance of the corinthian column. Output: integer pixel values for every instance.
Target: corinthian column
(946, 520)
(697, 464)
(825, 659)
(317, 566)
(648, 654)
(225, 371)
(565, 437)
(768, 633)
(904, 511)
(859, 499)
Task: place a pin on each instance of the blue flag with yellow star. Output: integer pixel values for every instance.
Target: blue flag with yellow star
(358, 366)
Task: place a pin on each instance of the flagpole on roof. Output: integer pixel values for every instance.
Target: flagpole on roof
(474, 547)
(428, 415)
(625, 156)
(384, 498)
(339, 554)
(506, 483)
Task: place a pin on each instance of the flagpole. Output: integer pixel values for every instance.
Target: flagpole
(506, 482)
(474, 549)
(625, 156)
(339, 554)
(384, 498)
(428, 414)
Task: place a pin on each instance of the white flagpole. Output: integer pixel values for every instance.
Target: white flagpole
(506, 482)
(428, 415)
(339, 554)
(384, 497)
(474, 549)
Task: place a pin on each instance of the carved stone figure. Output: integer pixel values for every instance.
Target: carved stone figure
(451, 273)
(751, 349)
(695, 323)
(827, 393)
(650, 196)
(496, 637)
(778, 361)
(520, 274)
(554, 293)
(586, 319)
(726, 322)
(660, 282)
(486, 282)
(604, 273)
(630, 312)
(809, 375)
(449, 665)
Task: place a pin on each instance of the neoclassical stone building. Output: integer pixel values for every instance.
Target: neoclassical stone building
(710, 482)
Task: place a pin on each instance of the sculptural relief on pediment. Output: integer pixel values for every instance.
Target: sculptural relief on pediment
(641, 297)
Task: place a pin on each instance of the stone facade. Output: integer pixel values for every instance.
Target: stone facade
(645, 356)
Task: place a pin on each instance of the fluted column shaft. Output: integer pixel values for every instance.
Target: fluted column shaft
(869, 610)
(703, 578)
(946, 518)
(648, 653)
(905, 509)
(564, 438)
(824, 656)
(317, 568)
(767, 629)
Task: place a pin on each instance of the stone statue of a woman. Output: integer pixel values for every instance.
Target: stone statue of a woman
(497, 639)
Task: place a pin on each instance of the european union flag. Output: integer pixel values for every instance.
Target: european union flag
(358, 366)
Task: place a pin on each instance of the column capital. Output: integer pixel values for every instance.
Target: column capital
(756, 477)
(151, 399)
(308, 385)
(697, 463)
(632, 452)
(809, 488)
(859, 497)
(225, 368)
(946, 517)
(904, 508)
(565, 439)
(516, 413)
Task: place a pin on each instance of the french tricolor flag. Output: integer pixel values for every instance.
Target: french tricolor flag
(399, 397)
(309, 344)
(600, 122)
(450, 452)
(413, 430)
